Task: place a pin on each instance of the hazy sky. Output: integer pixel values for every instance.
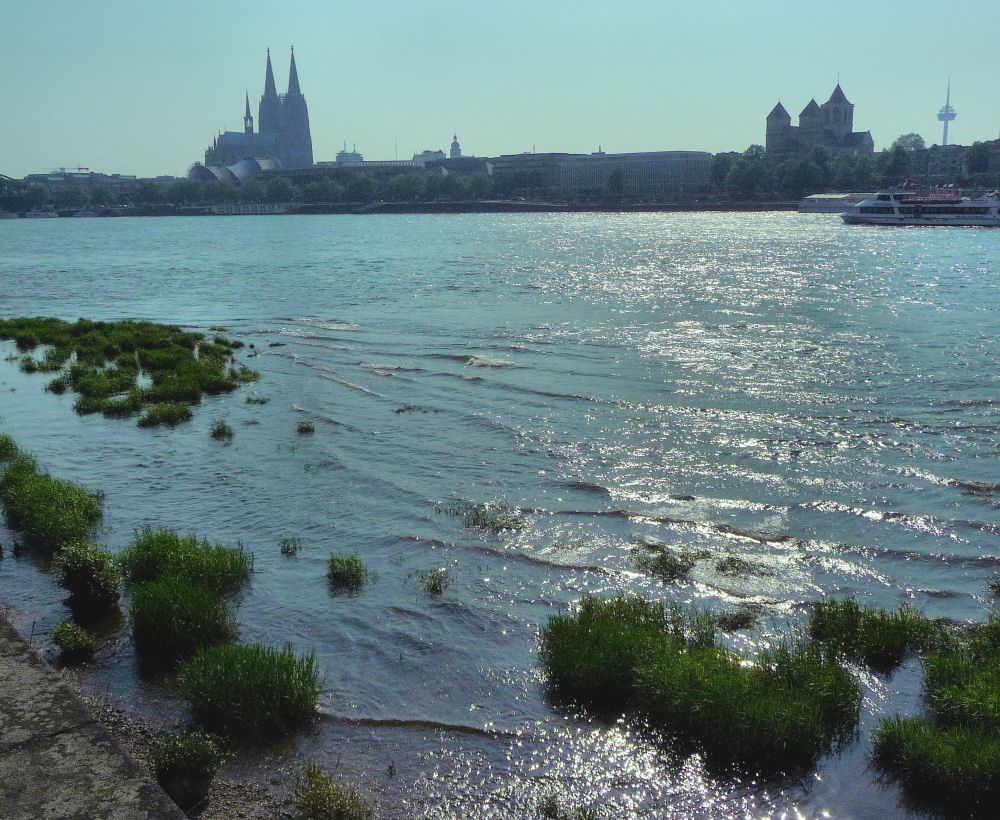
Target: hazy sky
(140, 87)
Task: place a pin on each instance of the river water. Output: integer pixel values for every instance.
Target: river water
(820, 399)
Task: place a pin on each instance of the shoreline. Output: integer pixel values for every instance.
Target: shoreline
(500, 206)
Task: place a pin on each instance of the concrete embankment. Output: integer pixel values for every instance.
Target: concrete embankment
(56, 761)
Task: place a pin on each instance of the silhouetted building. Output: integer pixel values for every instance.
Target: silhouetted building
(282, 135)
(830, 125)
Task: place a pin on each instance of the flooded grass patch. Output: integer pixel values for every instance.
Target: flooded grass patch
(876, 637)
(777, 712)
(155, 553)
(317, 796)
(174, 617)
(435, 581)
(92, 577)
(735, 565)
(221, 431)
(289, 546)
(185, 762)
(75, 643)
(955, 769)
(345, 571)
(665, 564)
(495, 516)
(251, 692)
(8, 449)
(103, 360)
(165, 413)
(305, 427)
(51, 513)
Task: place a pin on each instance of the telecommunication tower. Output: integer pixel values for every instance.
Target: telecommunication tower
(946, 114)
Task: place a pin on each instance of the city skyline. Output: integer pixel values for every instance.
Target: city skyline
(141, 95)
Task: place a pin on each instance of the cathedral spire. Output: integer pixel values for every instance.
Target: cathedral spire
(248, 117)
(270, 90)
(293, 77)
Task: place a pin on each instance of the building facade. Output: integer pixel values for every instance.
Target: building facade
(649, 175)
(282, 136)
(830, 125)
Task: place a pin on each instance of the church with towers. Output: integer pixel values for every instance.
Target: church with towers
(282, 137)
(830, 125)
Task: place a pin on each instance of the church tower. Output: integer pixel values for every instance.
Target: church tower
(779, 123)
(269, 110)
(838, 114)
(294, 140)
(456, 149)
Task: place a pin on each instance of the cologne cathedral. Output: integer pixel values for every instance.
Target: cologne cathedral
(282, 129)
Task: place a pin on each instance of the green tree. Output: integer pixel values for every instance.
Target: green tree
(909, 142)
(614, 188)
(481, 186)
(280, 189)
(977, 158)
(721, 163)
(361, 187)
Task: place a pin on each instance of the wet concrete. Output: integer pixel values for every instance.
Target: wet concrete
(56, 761)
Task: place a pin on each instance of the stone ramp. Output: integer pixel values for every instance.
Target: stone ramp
(56, 761)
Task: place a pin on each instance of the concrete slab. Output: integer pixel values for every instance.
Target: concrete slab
(56, 761)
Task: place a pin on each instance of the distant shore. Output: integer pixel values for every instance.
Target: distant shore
(383, 207)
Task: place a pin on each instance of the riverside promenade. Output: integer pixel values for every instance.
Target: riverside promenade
(56, 761)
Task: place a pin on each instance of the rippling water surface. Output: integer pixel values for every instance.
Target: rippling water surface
(822, 400)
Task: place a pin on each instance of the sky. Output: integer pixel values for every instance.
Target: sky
(139, 87)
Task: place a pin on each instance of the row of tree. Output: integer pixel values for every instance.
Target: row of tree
(756, 175)
(751, 175)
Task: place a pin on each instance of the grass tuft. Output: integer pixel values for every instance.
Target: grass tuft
(875, 637)
(435, 581)
(51, 513)
(251, 692)
(665, 564)
(174, 617)
(495, 516)
(345, 571)
(776, 714)
(74, 642)
(954, 768)
(8, 449)
(91, 575)
(169, 413)
(318, 797)
(221, 430)
(157, 553)
(290, 546)
(305, 427)
(185, 763)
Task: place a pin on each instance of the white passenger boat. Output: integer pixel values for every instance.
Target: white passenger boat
(925, 209)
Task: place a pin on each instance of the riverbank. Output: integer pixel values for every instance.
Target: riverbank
(56, 758)
(509, 206)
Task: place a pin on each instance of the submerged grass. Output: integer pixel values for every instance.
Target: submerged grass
(778, 713)
(496, 516)
(155, 553)
(51, 513)
(251, 692)
(665, 564)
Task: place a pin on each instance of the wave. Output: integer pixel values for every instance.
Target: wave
(473, 360)
(421, 725)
